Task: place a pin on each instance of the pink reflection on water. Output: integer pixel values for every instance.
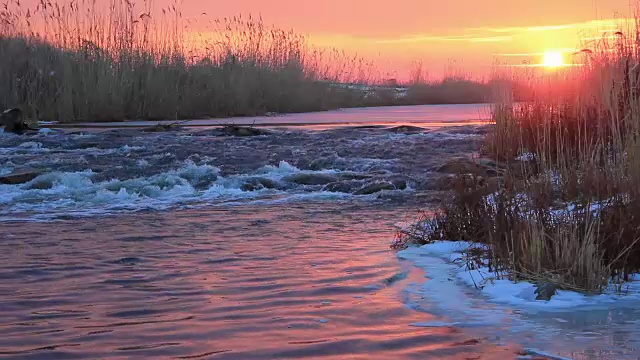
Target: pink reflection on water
(425, 115)
(279, 282)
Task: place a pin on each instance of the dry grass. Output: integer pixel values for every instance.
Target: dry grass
(89, 60)
(86, 60)
(570, 214)
(531, 236)
(451, 90)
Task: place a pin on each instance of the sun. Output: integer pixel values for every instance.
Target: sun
(553, 59)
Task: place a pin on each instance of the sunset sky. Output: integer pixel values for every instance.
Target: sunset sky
(471, 34)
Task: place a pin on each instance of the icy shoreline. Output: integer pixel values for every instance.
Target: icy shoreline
(445, 258)
(569, 326)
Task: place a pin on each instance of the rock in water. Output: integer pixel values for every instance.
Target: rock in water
(255, 184)
(545, 291)
(19, 177)
(235, 130)
(310, 178)
(407, 129)
(375, 187)
(346, 187)
(11, 120)
(160, 127)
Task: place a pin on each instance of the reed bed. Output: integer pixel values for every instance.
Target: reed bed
(566, 206)
(90, 61)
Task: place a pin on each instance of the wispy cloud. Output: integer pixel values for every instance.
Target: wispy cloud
(532, 54)
(539, 65)
(507, 33)
(432, 38)
(519, 54)
(492, 39)
(609, 24)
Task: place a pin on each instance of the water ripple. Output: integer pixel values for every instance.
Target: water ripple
(276, 282)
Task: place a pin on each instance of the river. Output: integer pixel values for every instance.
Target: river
(187, 244)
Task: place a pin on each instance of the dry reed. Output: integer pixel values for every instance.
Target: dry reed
(89, 61)
(568, 209)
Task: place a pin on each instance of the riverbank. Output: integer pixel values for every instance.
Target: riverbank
(555, 199)
(99, 63)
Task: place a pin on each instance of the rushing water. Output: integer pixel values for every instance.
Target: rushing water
(189, 244)
(129, 170)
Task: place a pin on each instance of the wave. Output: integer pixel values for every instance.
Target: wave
(73, 194)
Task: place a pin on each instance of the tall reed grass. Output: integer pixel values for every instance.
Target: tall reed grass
(84, 60)
(89, 60)
(567, 209)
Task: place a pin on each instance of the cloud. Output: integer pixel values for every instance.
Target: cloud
(508, 33)
(609, 24)
(538, 65)
(492, 39)
(532, 54)
(432, 38)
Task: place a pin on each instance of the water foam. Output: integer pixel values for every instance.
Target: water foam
(58, 194)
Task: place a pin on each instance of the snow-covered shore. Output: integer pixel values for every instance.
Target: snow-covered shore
(445, 259)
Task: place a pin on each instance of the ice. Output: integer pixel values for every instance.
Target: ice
(570, 325)
(517, 294)
(536, 354)
(526, 157)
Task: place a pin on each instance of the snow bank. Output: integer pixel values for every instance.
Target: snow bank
(444, 265)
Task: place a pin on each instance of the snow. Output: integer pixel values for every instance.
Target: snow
(444, 265)
(569, 326)
(526, 157)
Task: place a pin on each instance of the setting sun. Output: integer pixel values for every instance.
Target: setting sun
(552, 59)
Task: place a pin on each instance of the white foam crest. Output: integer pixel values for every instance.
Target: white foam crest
(77, 194)
(31, 145)
(127, 148)
(283, 169)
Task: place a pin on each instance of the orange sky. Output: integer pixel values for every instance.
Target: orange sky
(473, 34)
(470, 36)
